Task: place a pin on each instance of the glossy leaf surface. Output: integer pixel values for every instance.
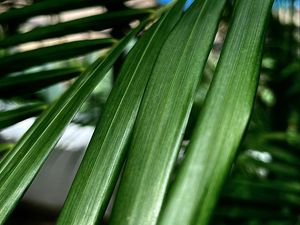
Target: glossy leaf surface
(222, 121)
(163, 115)
(104, 158)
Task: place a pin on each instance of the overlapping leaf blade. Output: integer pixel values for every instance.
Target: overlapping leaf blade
(23, 60)
(5, 147)
(163, 115)
(20, 165)
(263, 192)
(31, 82)
(97, 22)
(45, 7)
(222, 121)
(104, 157)
(13, 116)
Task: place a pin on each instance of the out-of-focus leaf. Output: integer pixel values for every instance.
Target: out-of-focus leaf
(292, 68)
(23, 60)
(21, 164)
(28, 83)
(275, 144)
(5, 147)
(254, 212)
(282, 170)
(101, 165)
(163, 115)
(291, 186)
(97, 22)
(46, 7)
(261, 192)
(10, 117)
(222, 121)
(282, 154)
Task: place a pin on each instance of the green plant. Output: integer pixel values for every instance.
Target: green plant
(151, 111)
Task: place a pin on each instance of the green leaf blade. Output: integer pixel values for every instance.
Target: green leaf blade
(105, 155)
(24, 60)
(222, 121)
(5, 147)
(43, 8)
(32, 82)
(163, 115)
(10, 117)
(97, 22)
(21, 164)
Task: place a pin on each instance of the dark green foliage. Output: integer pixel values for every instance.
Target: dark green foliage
(227, 166)
(24, 60)
(31, 82)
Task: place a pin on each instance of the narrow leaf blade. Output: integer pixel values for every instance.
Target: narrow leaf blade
(97, 22)
(101, 165)
(20, 165)
(32, 82)
(45, 7)
(163, 115)
(222, 121)
(24, 60)
(13, 116)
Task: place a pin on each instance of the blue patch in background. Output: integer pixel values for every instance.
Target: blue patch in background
(164, 2)
(277, 4)
(286, 4)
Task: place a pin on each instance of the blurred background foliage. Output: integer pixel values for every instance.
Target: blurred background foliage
(45, 44)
